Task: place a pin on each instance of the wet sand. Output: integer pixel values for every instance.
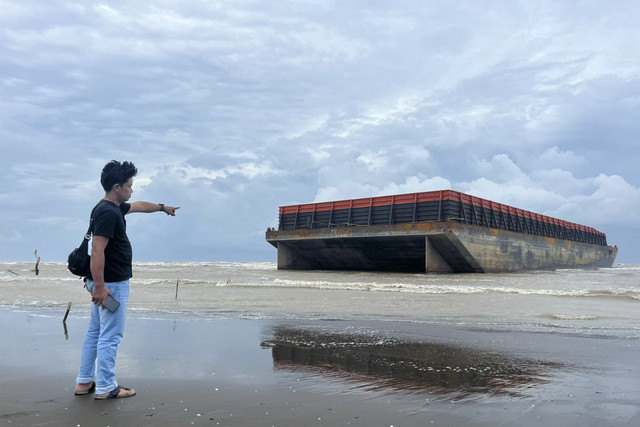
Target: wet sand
(304, 372)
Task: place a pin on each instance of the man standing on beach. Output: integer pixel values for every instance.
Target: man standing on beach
(111, 259)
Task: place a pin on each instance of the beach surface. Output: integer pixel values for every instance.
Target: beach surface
(248, 372)
(315, 364)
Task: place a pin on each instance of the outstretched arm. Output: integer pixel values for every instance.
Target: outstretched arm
(148, 207)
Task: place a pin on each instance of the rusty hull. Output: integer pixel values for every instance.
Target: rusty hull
(441, 247)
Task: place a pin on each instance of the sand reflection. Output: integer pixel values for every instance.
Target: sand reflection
(374, 362)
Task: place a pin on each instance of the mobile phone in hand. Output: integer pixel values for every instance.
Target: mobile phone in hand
(111, 303)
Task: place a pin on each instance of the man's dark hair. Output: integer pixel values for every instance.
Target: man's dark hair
(116, 172)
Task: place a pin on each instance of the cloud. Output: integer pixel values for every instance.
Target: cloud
(592, 200)
(554, 158)
(232, 109)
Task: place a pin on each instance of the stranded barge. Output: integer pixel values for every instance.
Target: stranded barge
(437, 231)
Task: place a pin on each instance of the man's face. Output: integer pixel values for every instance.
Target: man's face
(124, 191)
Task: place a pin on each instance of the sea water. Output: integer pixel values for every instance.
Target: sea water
(601, 301)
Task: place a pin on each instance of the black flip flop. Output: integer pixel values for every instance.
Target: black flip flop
(113, 394)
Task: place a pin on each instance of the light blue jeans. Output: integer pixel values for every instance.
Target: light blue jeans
(106, 329)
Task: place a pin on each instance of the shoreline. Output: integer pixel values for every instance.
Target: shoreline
(253, 372)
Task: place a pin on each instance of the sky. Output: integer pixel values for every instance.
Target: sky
(231, 109)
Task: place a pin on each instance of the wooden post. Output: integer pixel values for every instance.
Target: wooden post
(37, 262)
(67, 313)
(64, 321)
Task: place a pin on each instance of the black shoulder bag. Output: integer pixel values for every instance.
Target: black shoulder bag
(79, 261)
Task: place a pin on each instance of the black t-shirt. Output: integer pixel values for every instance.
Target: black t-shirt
(109, 222)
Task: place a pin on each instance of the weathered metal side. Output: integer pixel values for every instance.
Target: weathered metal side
(434, 206)
(499, 250)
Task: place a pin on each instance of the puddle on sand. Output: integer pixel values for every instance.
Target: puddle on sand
(375, 362)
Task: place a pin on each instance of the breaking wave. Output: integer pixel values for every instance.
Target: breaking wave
(450, 289)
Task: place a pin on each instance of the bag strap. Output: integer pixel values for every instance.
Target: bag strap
(89, 230)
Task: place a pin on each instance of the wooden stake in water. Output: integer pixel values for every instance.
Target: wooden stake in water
(64, 321)
(37, 262)
(67, 313)
(177, 281)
